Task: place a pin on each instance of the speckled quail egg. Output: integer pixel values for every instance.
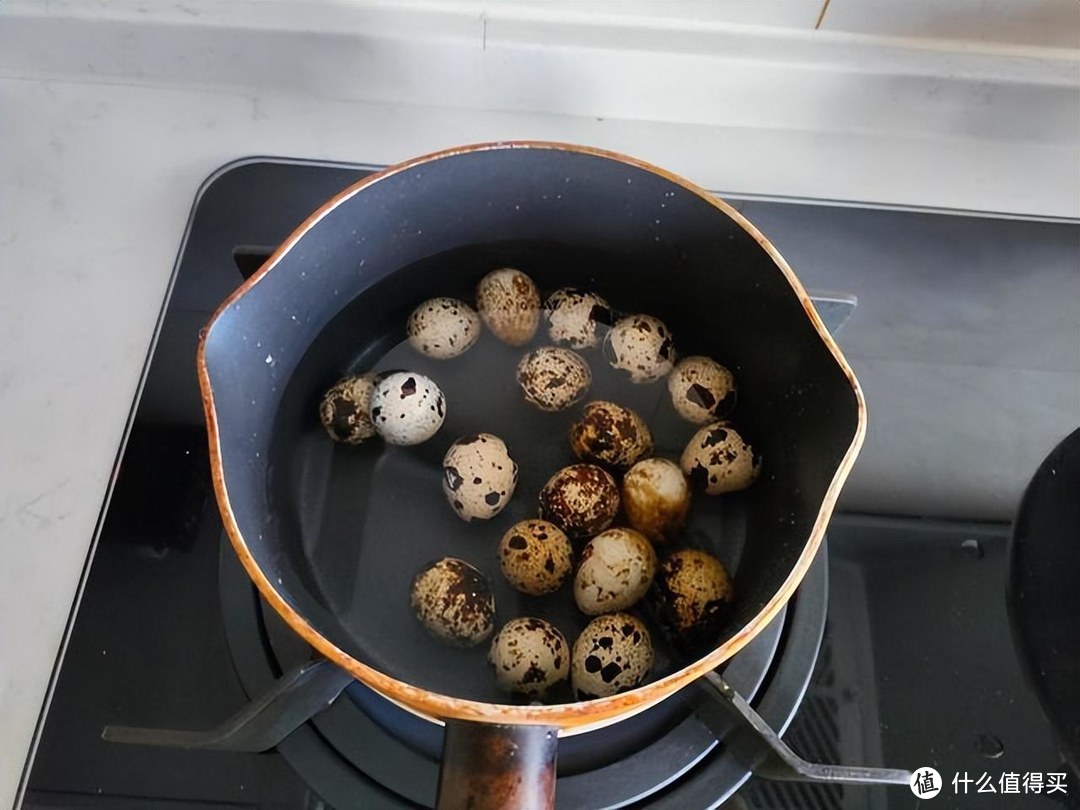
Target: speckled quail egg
(509, 305)
(345, 409)
(407, 408)
(656, 498)
(553, 379)
(701, 389)
(572, 317)
(581, 499)
(690, 597)
(610, 434)
(443, 328)
(535, 556)
(612, 654)
(717, 460)
(453, 600)
(640, 345)
(616, 569)
(479, 476)
(530, 656)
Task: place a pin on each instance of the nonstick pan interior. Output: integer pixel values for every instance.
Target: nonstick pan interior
(339, 531)
(367, 518)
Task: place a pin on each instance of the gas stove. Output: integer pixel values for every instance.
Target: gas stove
(169, 633)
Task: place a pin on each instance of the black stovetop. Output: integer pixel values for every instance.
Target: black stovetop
(916, 667)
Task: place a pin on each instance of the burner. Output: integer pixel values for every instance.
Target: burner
(365, 751)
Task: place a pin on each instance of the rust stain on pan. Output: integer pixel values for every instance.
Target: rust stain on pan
(570, 717)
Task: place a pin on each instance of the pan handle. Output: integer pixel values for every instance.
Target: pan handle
(488, 766)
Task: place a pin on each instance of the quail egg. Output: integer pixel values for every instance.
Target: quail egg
(717, 460)
(530, 656)
(616, 570)
(479, 476)
(509, 305)
(553, 379)
(691, 595)
(572, 317)
(407, 408)
(443, 328)
(535, 556)
(454, 602)
(640, 345)
(345, 409)
(701, 389)
(612, 654)
(581, 499)
(656, 498)
(610, 434)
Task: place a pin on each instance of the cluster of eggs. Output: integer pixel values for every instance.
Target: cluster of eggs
(618, 566)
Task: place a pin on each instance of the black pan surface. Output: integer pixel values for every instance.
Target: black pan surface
(1044, 600)
(340, 531)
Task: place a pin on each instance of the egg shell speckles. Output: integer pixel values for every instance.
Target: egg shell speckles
(613, 654)
(572, 317)
(717, 460)
(656, 498)
(701, 389)
(611, 435)
(581, 499)
(509, 304)
(553, 379)
(535, 556)
(690, 598)
(345, 410)
(443, 328)
(616, 569)
(642, 346)
(479, 477)
(407, 408)
(529, 656)
(454, 602)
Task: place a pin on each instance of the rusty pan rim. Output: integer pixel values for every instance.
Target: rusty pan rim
(570, 717)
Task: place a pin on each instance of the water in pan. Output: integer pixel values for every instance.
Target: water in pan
(376, 513)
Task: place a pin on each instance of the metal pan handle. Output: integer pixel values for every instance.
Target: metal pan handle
(486, 766)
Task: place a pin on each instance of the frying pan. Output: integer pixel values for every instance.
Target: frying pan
(332, 535)
(1043, 600)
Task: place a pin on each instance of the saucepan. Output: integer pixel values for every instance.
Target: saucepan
(332, 534)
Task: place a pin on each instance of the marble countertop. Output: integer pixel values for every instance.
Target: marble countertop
(109, 121)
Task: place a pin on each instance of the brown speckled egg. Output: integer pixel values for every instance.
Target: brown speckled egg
(443, 328)
(535, 556)
(581, 499)
(611, 435)
(640, 345)
(656, 498)
(613, 654)
(407, 408)
(454, 602)
(572, 317)
(717, 460)
(616, 570)
(479, 476)
(345, 409)
(690, 597)
(529, 656)
(553, 379)
(701, 389)
(509, 305)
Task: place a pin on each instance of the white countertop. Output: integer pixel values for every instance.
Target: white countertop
(111, 118)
